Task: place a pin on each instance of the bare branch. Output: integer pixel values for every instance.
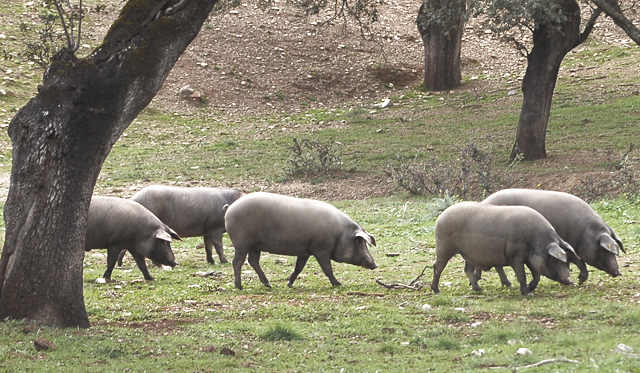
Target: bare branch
(612, 9)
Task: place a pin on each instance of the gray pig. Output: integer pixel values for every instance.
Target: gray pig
(119, 224)
(490, 236)
(575, 221)
(191, 212)
(294, 226)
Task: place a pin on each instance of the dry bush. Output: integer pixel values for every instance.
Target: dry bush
(471, 177)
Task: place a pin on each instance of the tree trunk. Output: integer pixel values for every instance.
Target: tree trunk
(550, 44)
(442, 39)
(60, 141)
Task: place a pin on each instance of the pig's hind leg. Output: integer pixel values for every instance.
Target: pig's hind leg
(254, 260)
(473, 280)
(301, 261)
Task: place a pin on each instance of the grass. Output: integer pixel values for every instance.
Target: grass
(183, 322)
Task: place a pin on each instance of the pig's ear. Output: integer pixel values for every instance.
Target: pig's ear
(615, 238)
(556, 252)
(564, 245)
(174, 235)
(367, 237)
(607, 243)
(163, 235)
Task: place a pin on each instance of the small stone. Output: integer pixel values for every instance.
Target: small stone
(426, 307)
(186, 91)
(210, 348)
(101, 280)
(623, 349)
(478, 352)
(227, 351)
(42, 344)
(523, 351)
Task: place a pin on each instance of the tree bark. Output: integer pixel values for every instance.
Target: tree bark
(550, 44)
(61, 138)
(442, 39)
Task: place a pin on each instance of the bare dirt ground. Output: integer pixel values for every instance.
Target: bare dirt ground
(248, 61)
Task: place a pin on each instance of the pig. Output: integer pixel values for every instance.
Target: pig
(575, 221)
(298, 227)
(118, 224)
(495, 236)
(191, 212)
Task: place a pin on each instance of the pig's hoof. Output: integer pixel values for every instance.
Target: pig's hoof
(290, 285)
(223, 260)
(477, 288)
(267, 285)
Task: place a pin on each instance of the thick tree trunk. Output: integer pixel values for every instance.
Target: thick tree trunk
(442, 39)
(60, 141)
(550, 44)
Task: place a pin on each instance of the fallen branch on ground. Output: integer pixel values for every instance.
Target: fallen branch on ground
(561, 360)
(365, 294)
(412, 284)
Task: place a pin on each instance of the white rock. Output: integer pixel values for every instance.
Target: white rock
(166, 268)
(523, 351)
(385, 103)
(478, 352)
(101, 280)
(513, 342)
(426, 307)
(461, 309)
(186, 91)
(623, 349)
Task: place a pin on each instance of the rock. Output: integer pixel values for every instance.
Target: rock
(227, 351)
(523, 351)
(210, 348)
(186, 91)
(623, 349)
(386, 103)
(42, 344)
(393, 254)
(478, 352)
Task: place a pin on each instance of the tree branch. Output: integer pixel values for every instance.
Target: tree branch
(612, 9)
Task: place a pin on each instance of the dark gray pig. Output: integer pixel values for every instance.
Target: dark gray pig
(575, 221)
(294, 226)
(191, 212)
(118, 224)
(495, 236)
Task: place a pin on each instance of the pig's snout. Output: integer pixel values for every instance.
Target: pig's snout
(567, 281)
(373, 266)
(615, 273)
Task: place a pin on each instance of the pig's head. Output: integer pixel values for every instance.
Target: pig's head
(603, 255)
(161, 250)
(354, 250)
(552, 262)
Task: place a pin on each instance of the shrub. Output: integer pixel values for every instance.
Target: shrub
(312, 158)
(471, 178)
(281, 332)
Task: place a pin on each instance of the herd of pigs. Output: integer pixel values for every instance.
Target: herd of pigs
(543, 230)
